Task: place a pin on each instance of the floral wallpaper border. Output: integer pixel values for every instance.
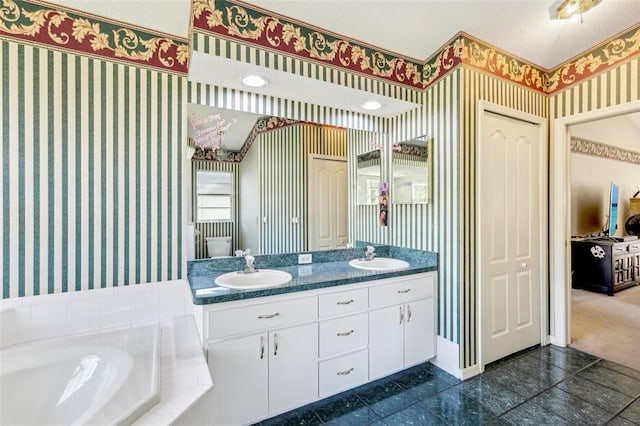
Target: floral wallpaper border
(596, 149)
(62, 28)
(262, 125)
(240, 21)
(237, 20)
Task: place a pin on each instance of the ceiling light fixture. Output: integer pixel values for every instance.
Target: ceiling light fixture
(573, 8)
(371, 105)
(254, 81)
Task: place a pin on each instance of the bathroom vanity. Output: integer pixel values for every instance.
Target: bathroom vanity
(331, 328)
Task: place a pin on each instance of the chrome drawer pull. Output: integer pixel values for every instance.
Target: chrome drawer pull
(401, 315)
(268, 316)
(404, 291)
(345, 372)
(346, 333)
(346, 302)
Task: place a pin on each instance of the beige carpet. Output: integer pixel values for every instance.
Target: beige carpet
(607, 326)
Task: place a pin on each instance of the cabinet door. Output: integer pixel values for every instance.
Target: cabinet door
(239, 369)
(293, 367)
(386, 347)
(419, 332)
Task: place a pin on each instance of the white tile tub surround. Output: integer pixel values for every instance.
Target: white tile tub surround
(90, 311)
(185, 380)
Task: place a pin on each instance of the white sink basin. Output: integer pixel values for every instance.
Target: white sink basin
(261, 278)
(379, 264)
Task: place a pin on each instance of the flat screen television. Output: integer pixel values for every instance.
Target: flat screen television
(613, 210)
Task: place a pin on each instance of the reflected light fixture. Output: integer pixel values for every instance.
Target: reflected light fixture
(573, 8)
(221, 153)
(371, 105)
(254, 81)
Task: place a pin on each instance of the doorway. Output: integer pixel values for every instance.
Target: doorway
(560, 219)
(511, 182)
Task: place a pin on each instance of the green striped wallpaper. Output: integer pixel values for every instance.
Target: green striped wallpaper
(436, 226)
(92, 162)
(616, 86)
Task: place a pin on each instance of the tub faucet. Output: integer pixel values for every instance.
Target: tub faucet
(369, 253)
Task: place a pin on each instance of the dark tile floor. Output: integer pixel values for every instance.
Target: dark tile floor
(538, 386)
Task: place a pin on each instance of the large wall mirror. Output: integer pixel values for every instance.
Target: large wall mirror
(411, 171)
(294, 183)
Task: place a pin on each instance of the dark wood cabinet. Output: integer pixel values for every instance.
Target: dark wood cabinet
(604, 265)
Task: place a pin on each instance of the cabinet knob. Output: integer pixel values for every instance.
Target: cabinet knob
(345, 372)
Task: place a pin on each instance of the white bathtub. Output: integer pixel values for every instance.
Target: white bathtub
(100, 379)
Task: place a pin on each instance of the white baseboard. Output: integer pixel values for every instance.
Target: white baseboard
(557, 342)
(471, 371)
(448, 357)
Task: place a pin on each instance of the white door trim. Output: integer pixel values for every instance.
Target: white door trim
(560, 216)
(484, 106)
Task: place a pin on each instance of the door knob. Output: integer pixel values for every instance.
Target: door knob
(525, 265)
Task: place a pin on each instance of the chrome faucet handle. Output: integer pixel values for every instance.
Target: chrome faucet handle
(250, 259)
(370, 253)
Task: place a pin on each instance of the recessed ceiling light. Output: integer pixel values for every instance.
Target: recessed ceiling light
(371, 105)
(254, 81)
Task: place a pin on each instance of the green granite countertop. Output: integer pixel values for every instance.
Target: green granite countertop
(329, 268)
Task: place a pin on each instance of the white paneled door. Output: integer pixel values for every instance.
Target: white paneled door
(327, 203)
(509, 212)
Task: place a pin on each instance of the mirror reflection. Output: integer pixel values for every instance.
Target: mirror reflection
(368, 177)
(288, 187)
(411, 171)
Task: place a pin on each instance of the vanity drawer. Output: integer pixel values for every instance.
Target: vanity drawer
(343, 334)
(261, 316)
(634, 246)
(618, 249)
(342, 373)
(402, 291)
(343, 302)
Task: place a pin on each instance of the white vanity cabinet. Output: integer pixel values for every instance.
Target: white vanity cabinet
(401, 324)
(271, 354)
(262, 374)
(343, 338)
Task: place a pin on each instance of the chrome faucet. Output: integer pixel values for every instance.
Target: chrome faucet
(369, 253)
(250, 266)
(248, 258)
